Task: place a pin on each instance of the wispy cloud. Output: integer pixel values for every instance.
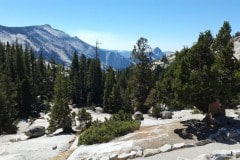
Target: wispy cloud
(107, 40)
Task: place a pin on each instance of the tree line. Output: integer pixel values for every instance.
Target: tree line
(198, 76)
(22, 79)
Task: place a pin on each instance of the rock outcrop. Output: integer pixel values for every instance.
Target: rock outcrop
(35, 131)
(150, 152)
(166, 114)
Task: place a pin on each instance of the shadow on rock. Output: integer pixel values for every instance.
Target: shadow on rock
(195, 129)
(227, 132)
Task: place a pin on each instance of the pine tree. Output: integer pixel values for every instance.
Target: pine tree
(115, 102)
(109, 83)
(225, 65)
(40, 75)
(60, 112)
(75, 80)
(90, 83)
(24, 99)
(95, 83)
(99, 85)
(83, 79)
(123, 78)
(142, 80)
(51, 72)
(126, 101)
(33, 70)
(9, 64)
(189, 75)
(8, 104)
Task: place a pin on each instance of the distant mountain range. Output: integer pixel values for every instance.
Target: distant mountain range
(56, 44)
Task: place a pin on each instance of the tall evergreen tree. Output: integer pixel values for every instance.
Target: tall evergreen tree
(41, 80)
(109, 83)
(115, 102)
(83, 79)
(199, 62)
(27, 63)
(190, 75)
(51, 72)
(124, 81)
(225, 65)
(60, 112)
(75, 80)
(8, 104)
(9, 64)
(95, 83)
(23, 84)
(142, 80)
(33, 71)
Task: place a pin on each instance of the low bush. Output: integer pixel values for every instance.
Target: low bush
(108, 130)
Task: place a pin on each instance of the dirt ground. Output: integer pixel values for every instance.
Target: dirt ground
(63, 155)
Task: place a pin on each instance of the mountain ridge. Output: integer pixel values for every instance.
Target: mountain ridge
(58, 45)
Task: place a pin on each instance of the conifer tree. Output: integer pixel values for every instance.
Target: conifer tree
(24, 99)
(75, 80)
(83, 79)
(190, 75)
(8, 104)
(109, 83)
(9, 64)
(142, 80)
(225, 65)
(51, 71)
(33, 71)
(28, 90)
(60, 112)
(41, 76)
(95, 83)
(125, 85)
(126, 101)
(115, 102)
(99, 85)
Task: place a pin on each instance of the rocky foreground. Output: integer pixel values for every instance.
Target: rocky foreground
(183, 137)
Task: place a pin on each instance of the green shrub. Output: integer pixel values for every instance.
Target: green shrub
(84, 117)
(108, 130)
(121, 116)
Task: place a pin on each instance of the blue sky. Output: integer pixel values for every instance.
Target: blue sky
(117, 24)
